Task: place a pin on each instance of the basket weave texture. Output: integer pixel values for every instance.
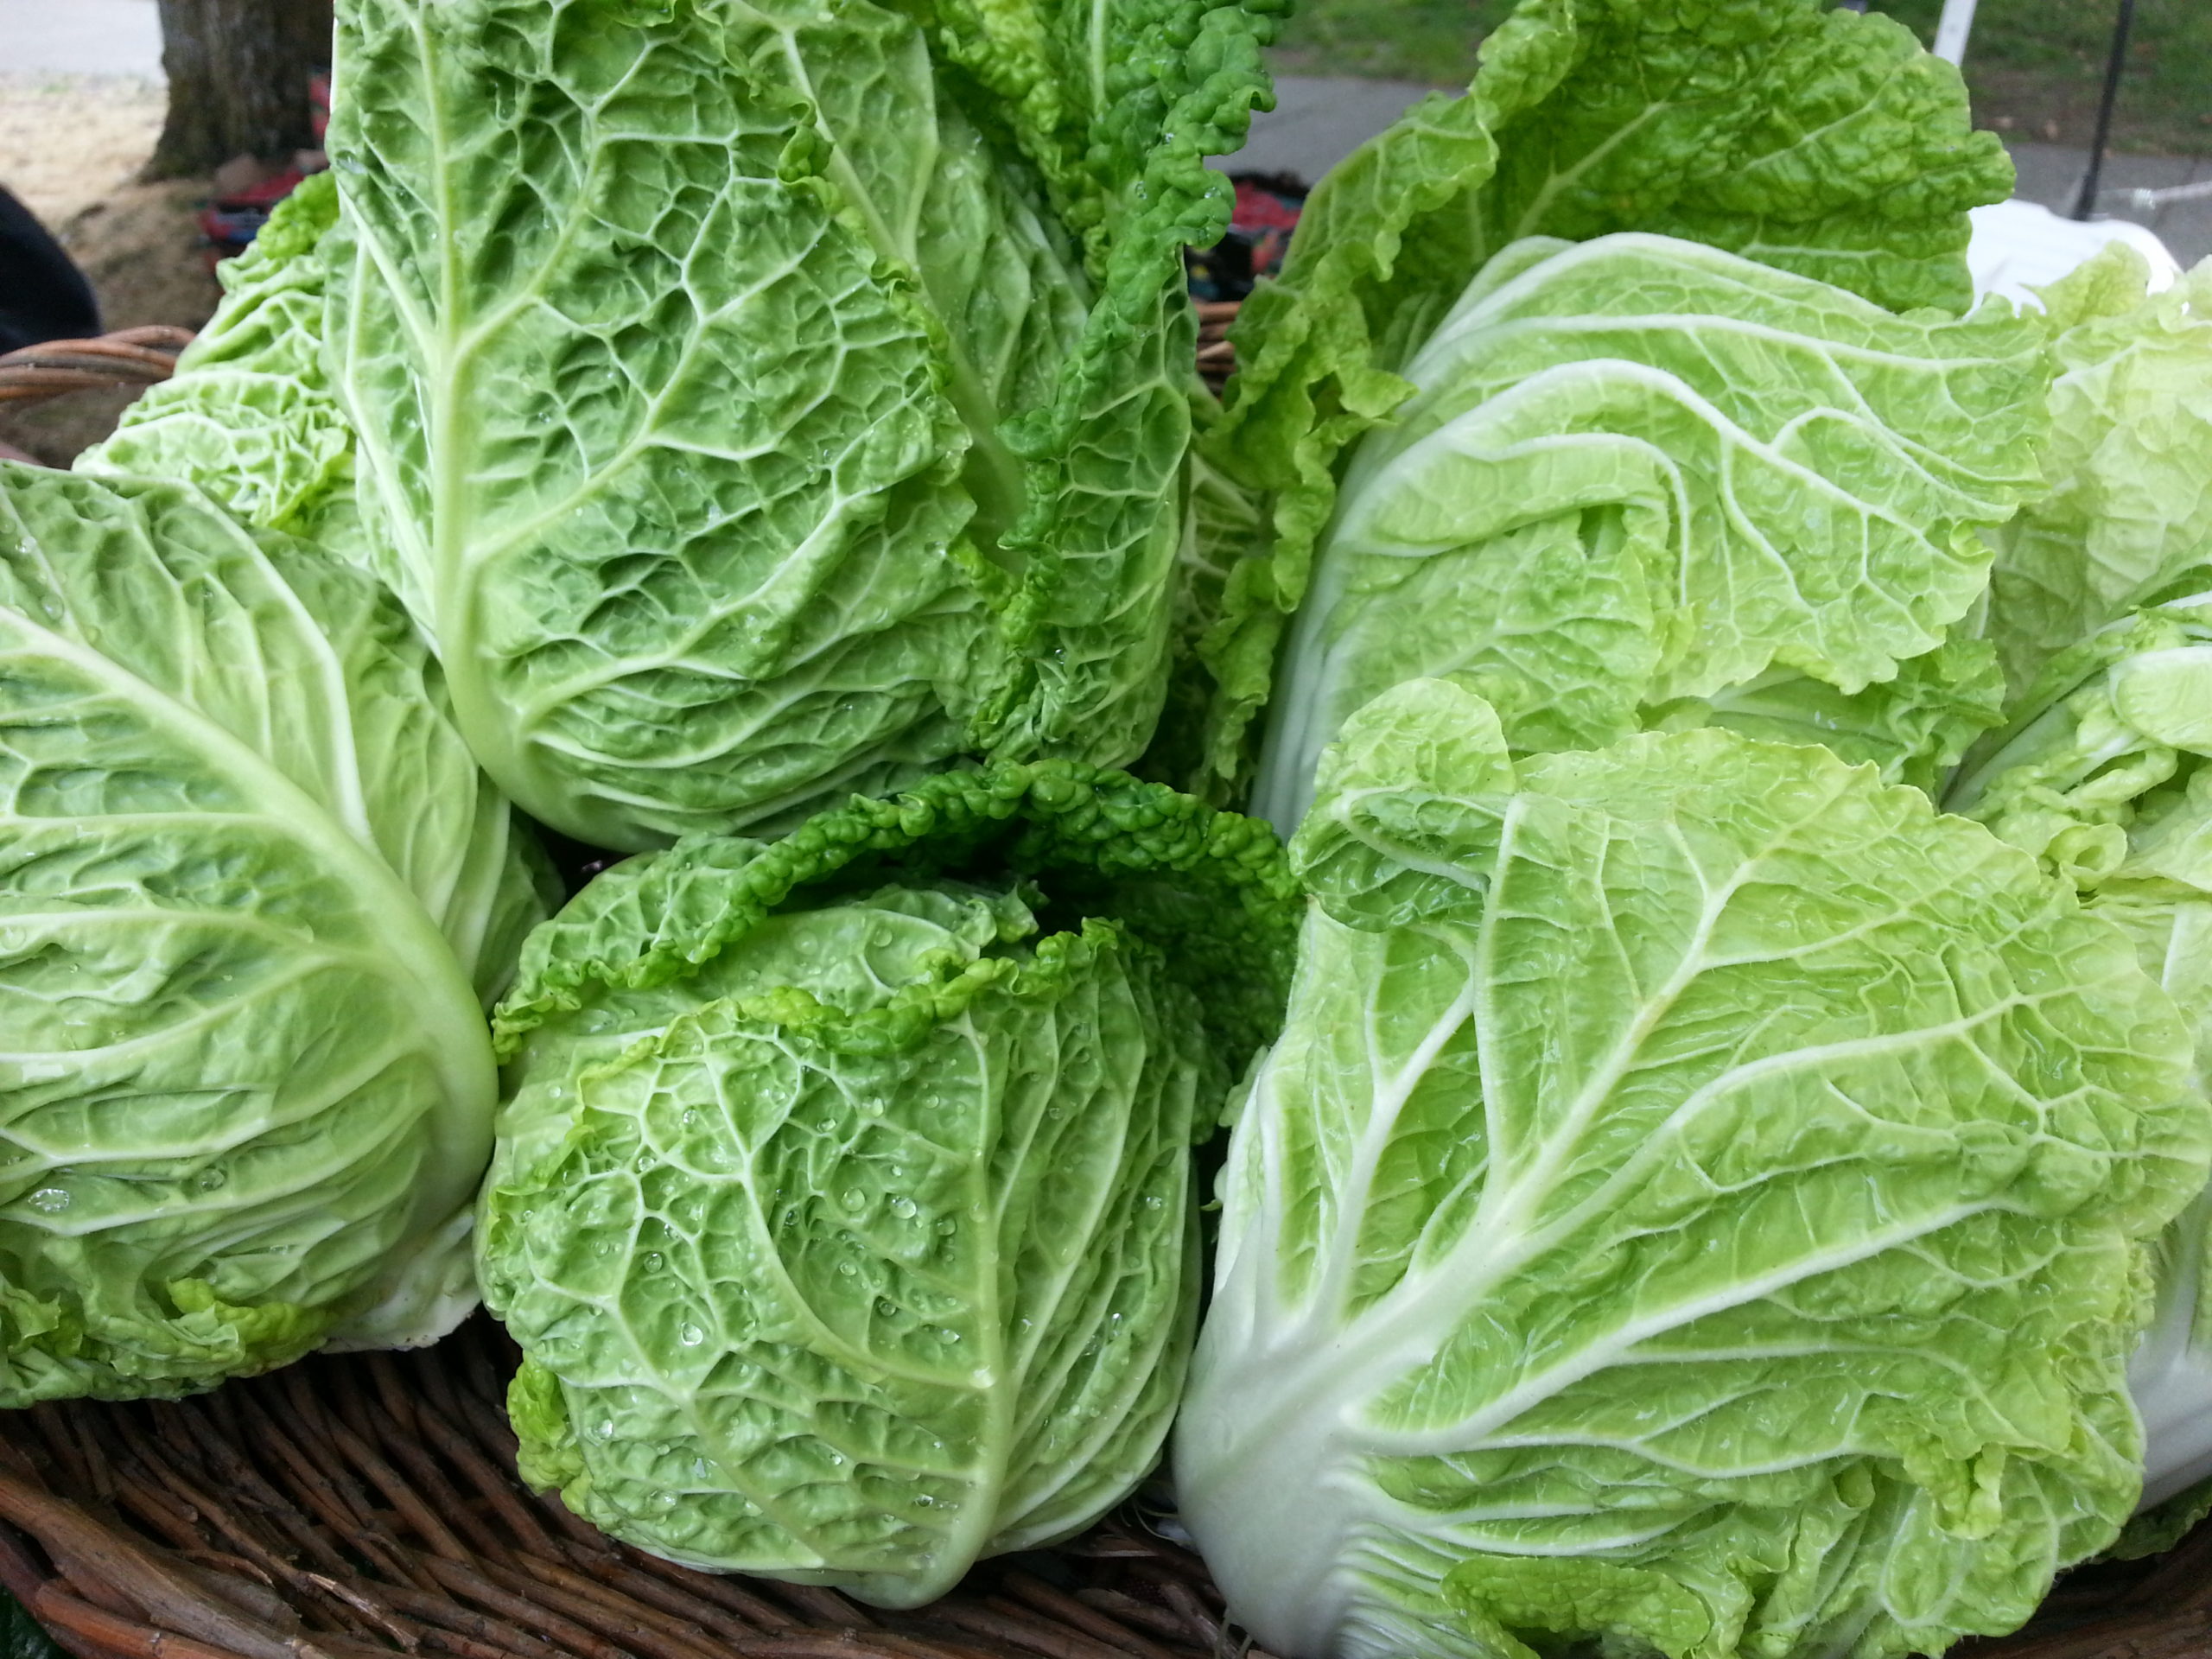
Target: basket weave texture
(361, 1506)
(368, 1504)
(129, 357)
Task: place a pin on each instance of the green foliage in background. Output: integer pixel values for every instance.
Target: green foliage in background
(2032, 63)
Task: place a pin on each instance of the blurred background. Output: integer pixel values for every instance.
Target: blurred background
(148, 138)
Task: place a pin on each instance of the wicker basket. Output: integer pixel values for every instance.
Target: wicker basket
(358, 1506)
(348, 1506)
(131, 357)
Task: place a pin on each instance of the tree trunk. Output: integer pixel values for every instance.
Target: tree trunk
(237, 74)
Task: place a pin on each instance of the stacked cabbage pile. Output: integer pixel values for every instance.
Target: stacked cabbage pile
(1710, 1193)
(1723, 1168)
(671, 419)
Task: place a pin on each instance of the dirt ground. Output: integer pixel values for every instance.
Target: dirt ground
(71, 148)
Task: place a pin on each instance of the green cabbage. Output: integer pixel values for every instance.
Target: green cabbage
(1643, 482)
(1817, 142)
(758, 402)
(842, 1206)
(2125, 516)
(1699, 1204)
(2102, 772)
(2105, 779)
(253, 893)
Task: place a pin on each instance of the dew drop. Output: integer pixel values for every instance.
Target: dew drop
(690, 1118)
(689, 1335)
(922, 1500)
(947, 1226)
(653, 1261)
(213, 1181)
(50, 1200)
(854, 1198)
(1154, 1201)
(903, 1208)
(604, 1430)
(947, 1336)
(887, 1307)
(846, 1269)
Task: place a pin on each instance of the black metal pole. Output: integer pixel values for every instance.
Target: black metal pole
(2086, 203)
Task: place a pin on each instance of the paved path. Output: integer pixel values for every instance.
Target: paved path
(80, 37)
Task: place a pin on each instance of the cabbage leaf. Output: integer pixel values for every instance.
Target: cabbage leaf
(1819, 142)
(2125, 516)
(843, 1206)
(1637, 477)
(2105, 777)
(248, 417)
(1699, 1203)
(761, 402)
(249, 874)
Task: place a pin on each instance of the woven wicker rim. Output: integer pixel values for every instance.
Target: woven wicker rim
(129, 357)
(349, 1507)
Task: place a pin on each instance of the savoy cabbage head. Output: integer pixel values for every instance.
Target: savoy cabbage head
(253, 897)
(1645, 483)
(2100, 607)
(1815, 141)
(754, 400)
(842, 1204)
(1700, 1203)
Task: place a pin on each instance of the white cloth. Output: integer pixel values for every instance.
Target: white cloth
(2017, 246)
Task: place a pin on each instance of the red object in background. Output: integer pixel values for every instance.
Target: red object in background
(1264, 213)
(235, 216)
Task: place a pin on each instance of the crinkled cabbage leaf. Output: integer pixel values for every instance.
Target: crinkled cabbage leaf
(1698, 1204)
(2107, 778)
(842, 1206)
(1642, 481)
(2100, 771)
(248, 417)
(2125, 516)
(1819, 142)
(249, 873)
(758, 402)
